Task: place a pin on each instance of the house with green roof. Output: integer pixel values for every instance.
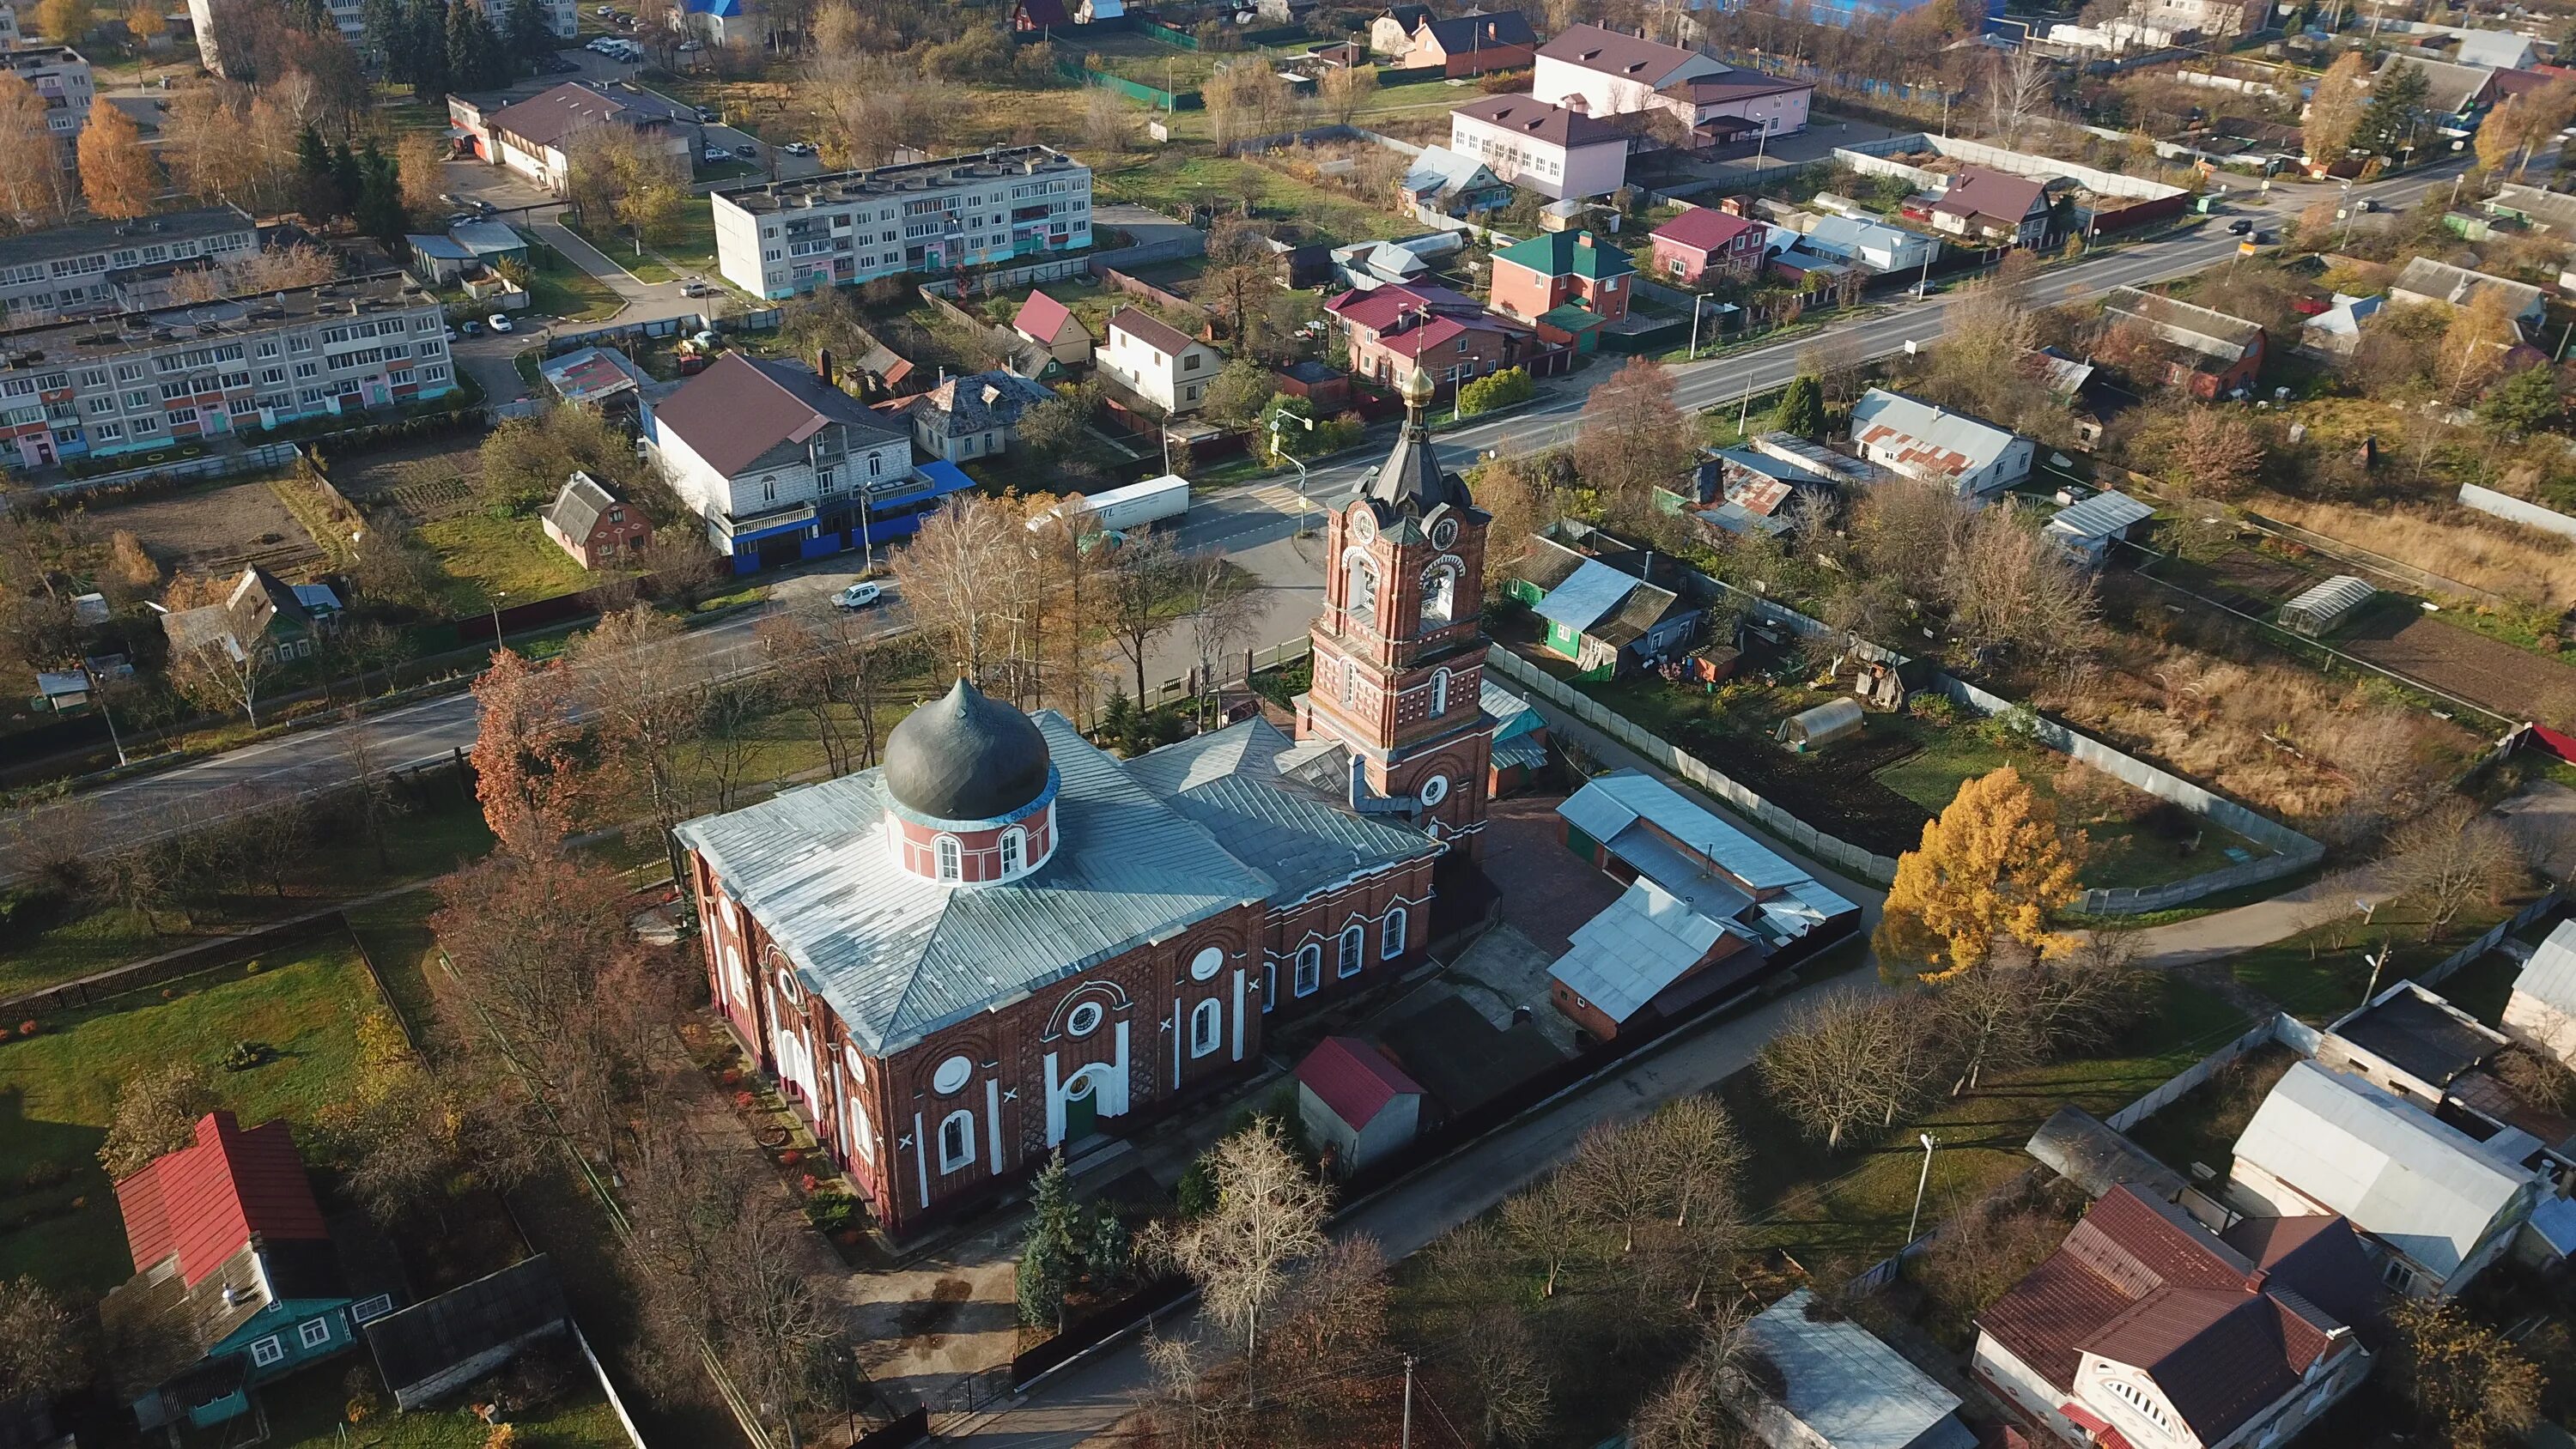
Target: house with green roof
(1567, 283)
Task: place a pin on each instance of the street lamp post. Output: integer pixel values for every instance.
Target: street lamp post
(495, 599)
(1919, 1184)
(1276, 418)
(1696, 299)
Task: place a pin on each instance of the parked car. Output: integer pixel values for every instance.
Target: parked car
(858, 596)
(2364, 203)
(696, 289)
(709, 115)
(605, 11)
(470, 327)
(2240, 227)
(748, 153)
(499, 322)
(800, 148)
(717, 156)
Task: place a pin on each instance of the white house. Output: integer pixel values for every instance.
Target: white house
(771, 456)
(1872, 246)
(1919, 440)
(2439, 1204)
(1604, 72)
(533, 137)
(1159, 362)
(2496, 50)
(2541, 1013)
(1549, 149)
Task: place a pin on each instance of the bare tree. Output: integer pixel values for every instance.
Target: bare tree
(2008, 587)
(2017, 91)
(2451, 855)
(1614, 1184)
(641, 685)
(224, 673)
(1268, 1217)
(1843, 1059)
(772, 1328)
(1223, 610)
(730, 738)
(1548, 1221)
(806, 677)
(155, 1115)
(45, 1343)
(1142, 597)
(1689, 1410)
(947, 575)
(1506, 1374)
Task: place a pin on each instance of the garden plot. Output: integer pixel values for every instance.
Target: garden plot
(427, 481)
(217, 531)
(2515, 683)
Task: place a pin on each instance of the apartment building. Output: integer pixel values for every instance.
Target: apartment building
(151, 380)
(113, 266)
(60, 76)
(784, 237)
(563, 17)
(9, 26)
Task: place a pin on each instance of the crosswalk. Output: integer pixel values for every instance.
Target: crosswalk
(1279, 496)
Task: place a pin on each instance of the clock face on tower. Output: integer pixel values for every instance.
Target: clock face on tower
(1363, 524)
(1444, 533)
(1435, 788)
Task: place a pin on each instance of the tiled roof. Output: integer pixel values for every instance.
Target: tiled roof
(1162, 336)
(1354, 1079)
(1998, 196)
(1530, 117)
(740, 408)
(549, 118)
(1704, 228)
(1629, 57)
(208, 1201)
(1043, 317)
(1568, 253)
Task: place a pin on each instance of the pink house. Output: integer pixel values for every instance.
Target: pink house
(1704, 240)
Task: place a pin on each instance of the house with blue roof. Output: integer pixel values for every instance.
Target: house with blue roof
(712, 18)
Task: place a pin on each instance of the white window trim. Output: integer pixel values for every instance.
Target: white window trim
(1310, 968)
(1207, 1027)
(951, 858)
(267, 1351)
(370, 1308)
(949, 1163)
(1391, 933)
(1351, 953)
(315, 1332)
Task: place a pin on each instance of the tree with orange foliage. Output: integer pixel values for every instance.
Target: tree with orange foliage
(1990, 870)
(524, 775)
(119, 178)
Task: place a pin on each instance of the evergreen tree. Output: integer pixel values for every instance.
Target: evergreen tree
(313, 17)
(1111, 1250)
(491, 56)
(389, 31)
(2389, 123)
(348, 180)
(1050, 1257)
(2525, 402)
(530, 38)
(379, 208)
(464, 67)
(430, 73)
(1802, 408)
(316, 187)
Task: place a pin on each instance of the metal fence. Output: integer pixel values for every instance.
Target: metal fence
(2494, 937)
(2280, 1026)
(214, 465)
(2506, 506)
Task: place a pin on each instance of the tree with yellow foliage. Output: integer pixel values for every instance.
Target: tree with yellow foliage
(119, 177)
(1991, 869)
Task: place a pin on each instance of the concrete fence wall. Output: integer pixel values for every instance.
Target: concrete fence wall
(1841, 854)
(2506, 506)
(2494, 937)
(2280, 1027)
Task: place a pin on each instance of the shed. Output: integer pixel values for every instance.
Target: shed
(61, 691)
(1836, 1385)
(1356, 1102)
(1520, 739)
(2317, 612)
(438, 260)
(1816, 728)
(2541, 1012)
(433, 1348)
(2086, 1152)
(2089, 527)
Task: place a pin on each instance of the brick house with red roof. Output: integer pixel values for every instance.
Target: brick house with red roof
(1051, 325)
(1395, 330)
(2146, 1329)
(236, 1279)
(1705, 244)
(1355, 1103)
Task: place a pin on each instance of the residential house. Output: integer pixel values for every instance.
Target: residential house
(1364, 266)
(1159, 362)
(595, 526)
(779, 463)
(2334, 333)
(2088, 528)
(1556, 152)
(1603, 72)
(1708, 910)
(600, 376)
(431, 1349)
(1704, 245)
(2212, 18)
(2428, 1052)
(717, 22)
(2145, 1327)
(261, 616)
(974, 415)
(2212, 354)
(1566, 283)
(1744, 490)
(2436, 1204)
(2455, 95)
(1846, 471)
(533, 137)
(1605, 617)
(236, 1278)
(1520, 741)
(1092, 12)
(1994, 208)
(1446, 183)
(1465, 45)
(2496, 50)
(1391, 34)
(842, 228)
(1394, 332)
(2424, 282)
(1833, 1384)
(9, 35)
(2541, 1012)
(2536, 207)
(1040, 15)
(1358, 1107)
(1919, 440)
(1051, 325)
(1874, 247)
(93, 267)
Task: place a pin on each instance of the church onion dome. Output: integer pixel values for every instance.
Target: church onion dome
(1411, 479)
(966, 757)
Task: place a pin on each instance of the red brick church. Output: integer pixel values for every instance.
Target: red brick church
(1004, 938)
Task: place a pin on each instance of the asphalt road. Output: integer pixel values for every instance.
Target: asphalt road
(1255, 525)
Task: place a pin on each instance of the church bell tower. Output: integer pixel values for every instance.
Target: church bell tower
(1399, 650)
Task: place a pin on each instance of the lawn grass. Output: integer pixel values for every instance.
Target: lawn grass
(58, 1089)
(1173, 180)
(1850, 1207)
(481, 554)
(560, 289)
(619, 247)
(2202, 1125)
(306, 1412)
(2318, 975)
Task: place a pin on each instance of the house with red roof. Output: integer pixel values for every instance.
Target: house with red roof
(1051, 325)
(1705, 244)
(236, 1279)
(1394, 331)
(2146, 1328)
(1356, 1103)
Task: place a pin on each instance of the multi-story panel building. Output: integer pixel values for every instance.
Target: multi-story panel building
(107, 266)
(60, 76)
(153, 380)
(786, 237)
(563, 17)
(9, 26)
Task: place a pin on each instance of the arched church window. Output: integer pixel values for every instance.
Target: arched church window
(1359, 589)
(1440, 594)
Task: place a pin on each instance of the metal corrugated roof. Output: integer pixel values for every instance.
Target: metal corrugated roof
(2101, 515)
(1849, 1389)
(1512, 714)
(899, 957)
(2398, 1172)
(2331, 600)
(1199, 759)
(1586, 596)
(1304, 842)
(1610, 803)
(1639, 944)
(2549, 977)
(1928, 434)
(1679, 874)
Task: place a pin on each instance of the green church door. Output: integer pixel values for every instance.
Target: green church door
(1081, 1109)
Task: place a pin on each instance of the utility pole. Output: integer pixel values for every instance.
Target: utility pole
(1744, 409)
(1407, 1441)
(2378, 964)
(1920, 1183)
(1696, 299)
